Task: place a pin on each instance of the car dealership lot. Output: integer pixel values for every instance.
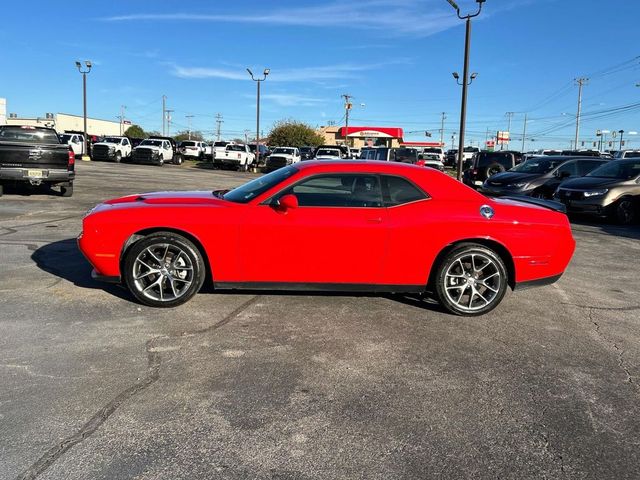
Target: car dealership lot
(270, 385)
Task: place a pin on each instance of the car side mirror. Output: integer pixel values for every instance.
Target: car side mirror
(287, 202)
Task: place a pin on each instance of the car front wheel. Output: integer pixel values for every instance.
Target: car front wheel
(471, 280)
(164, 270)
(624, 212)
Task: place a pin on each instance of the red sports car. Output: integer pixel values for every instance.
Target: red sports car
(344, 225)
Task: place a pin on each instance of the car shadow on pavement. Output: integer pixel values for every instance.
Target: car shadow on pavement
(29, 190)
(605, 227)
(64, 259)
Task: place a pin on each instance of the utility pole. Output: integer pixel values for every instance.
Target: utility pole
(509, 117)
(189, 117)
(524, 132)
(347, 107)
(581, 82)
(246, 137)
(219, 122)
(168, 123)
(486, 138)
(621, 132)
(164, 115)
(121, 117)
(444, 117)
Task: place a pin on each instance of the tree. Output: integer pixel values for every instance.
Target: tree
(184, 135)
(291, 133)
(136, 131)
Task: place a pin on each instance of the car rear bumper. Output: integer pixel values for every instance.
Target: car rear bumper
(104, 278)
(540, 282)
(37, 175)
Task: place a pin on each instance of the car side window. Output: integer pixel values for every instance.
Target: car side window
(586, 166)
(398, 191)
(570, 168)
(346, 190)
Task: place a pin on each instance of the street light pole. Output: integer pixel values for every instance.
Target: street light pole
(465, 78)
(258, 81)
(524, 132)
(581, 82)
(84, 72)
(621, 132)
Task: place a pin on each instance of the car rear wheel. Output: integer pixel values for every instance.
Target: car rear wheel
(66, 190)
(177, 160)
(164, 270)
(471, 280)
(624, 212)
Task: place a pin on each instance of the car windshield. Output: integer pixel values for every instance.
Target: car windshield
(111, 140)
(620, 169)
(151, 143)
(536, 165)
(28, 135)
(64, 138)
(245, 193)
(306, 149)
(283, 151)
(325, 152)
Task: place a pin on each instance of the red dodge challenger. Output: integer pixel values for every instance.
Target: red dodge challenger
(335, 226)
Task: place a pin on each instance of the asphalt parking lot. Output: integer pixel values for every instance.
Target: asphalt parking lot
(239, 386)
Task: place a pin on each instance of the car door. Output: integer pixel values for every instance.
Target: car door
(168, 152)
(336, 235)
(412, 239)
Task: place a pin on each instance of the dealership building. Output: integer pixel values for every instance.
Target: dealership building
(359, 137)
(63, 122)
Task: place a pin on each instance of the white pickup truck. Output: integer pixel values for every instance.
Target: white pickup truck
(75, 141)
(112, 148)
(235, 155)
(281, 157)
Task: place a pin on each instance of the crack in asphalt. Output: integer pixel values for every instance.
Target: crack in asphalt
(102, 415)
(16, 228)
(621, 363)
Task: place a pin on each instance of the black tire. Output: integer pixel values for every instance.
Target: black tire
(118, 157)
(625, 211)
(1, 190)
(177, 160)
(139, 261)
(66, 190)
(160, 161)
(493, 170)
(453, 278)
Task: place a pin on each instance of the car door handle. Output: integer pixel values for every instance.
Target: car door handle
(374, 220)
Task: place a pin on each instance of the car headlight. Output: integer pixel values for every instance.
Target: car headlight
(595, 193)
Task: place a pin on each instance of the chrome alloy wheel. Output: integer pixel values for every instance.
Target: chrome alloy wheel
(163, 272)
(472, 281)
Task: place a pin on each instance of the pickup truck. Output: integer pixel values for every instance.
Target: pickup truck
(35, 155)
(112, 148)
(281, 157)
(75, 141)
(157, 151)
(234, 155)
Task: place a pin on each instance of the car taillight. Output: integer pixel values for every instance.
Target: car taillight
(72, 158)
(421, 163)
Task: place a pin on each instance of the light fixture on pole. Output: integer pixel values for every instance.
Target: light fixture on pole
(258, 82)
(465, 77)
(84, 71)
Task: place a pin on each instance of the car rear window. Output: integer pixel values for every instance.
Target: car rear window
(486, 159)
(399, 191)
(39, 136)
(188, 144)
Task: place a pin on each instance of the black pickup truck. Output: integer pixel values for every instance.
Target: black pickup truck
(35, 155)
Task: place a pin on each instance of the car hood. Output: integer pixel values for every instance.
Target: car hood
(148, 147)
(586, 183)
(108, 144)
(506, 178)
(198, 197)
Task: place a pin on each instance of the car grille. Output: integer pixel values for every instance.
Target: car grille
(142, 154)
(101, 152)
(276, 162)
(564, 194)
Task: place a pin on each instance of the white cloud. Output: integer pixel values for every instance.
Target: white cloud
(291, 99)
(302, 74)
(393, 17)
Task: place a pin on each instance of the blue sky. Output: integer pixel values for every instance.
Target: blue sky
(393, 56)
